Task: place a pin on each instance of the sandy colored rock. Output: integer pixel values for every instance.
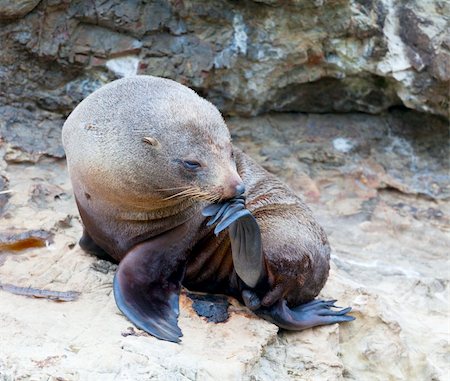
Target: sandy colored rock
(389, 261)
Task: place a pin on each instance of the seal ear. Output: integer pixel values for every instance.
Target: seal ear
(152, 141)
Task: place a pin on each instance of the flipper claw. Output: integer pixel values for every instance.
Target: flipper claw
(328, 312)
(315, 304)
(305, 316)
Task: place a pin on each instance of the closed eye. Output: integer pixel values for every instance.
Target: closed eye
(191, 165)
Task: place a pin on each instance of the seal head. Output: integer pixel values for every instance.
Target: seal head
(145, 149)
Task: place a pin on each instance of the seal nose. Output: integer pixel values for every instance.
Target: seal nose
(233, 186)
(240, 189)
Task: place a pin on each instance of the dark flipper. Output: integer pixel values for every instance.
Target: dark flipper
(89, 246)
(246, 248)
(312, 314)
(251, 300)
(248, 261)
(245, 238)
(147, 286)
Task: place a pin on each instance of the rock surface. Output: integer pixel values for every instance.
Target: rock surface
(10, 9)
(247, 57)
(378, 184)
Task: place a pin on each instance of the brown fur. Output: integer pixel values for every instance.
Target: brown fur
(123, 146)
(295, 247)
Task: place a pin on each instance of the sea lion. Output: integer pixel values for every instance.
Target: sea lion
(150, 161)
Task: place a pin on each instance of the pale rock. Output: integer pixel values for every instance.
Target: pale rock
(123, 66)
(389, 262)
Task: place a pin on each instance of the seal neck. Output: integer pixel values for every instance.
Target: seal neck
(183, 210)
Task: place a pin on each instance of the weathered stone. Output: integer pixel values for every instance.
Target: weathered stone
(12, 9)
(124, 66)
(404, 150)
(5, 193)
(13, 240)
(246, 57)
(45, 138)
(101, 42)
(42, 195)
(370, 94)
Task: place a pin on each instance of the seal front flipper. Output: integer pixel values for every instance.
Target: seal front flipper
(246, 249)
(147, 286)
(312, 314)
(245, 238)
(89, 246)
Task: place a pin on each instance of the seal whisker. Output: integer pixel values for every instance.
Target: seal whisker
(183, 194)
(177, 195)
(174, 188)
(214, 198)
(208, 197)
(194, 193)
(172, 197)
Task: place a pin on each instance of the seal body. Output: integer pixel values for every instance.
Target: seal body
(295, 246)
(145, 156)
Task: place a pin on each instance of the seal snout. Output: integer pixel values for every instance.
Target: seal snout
(234, 188)
(240, 190)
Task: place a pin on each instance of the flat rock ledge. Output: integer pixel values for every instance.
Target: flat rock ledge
(377, 187)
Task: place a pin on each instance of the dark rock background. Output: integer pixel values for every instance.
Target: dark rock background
(247, 57)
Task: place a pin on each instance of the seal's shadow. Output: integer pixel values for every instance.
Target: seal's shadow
(212, 307)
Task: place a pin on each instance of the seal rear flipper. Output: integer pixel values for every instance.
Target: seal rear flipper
(147, 286)
(312, 314)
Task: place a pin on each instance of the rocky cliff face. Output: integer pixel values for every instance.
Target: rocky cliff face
(247, 57)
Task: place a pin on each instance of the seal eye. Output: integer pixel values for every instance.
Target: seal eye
(191, 165)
